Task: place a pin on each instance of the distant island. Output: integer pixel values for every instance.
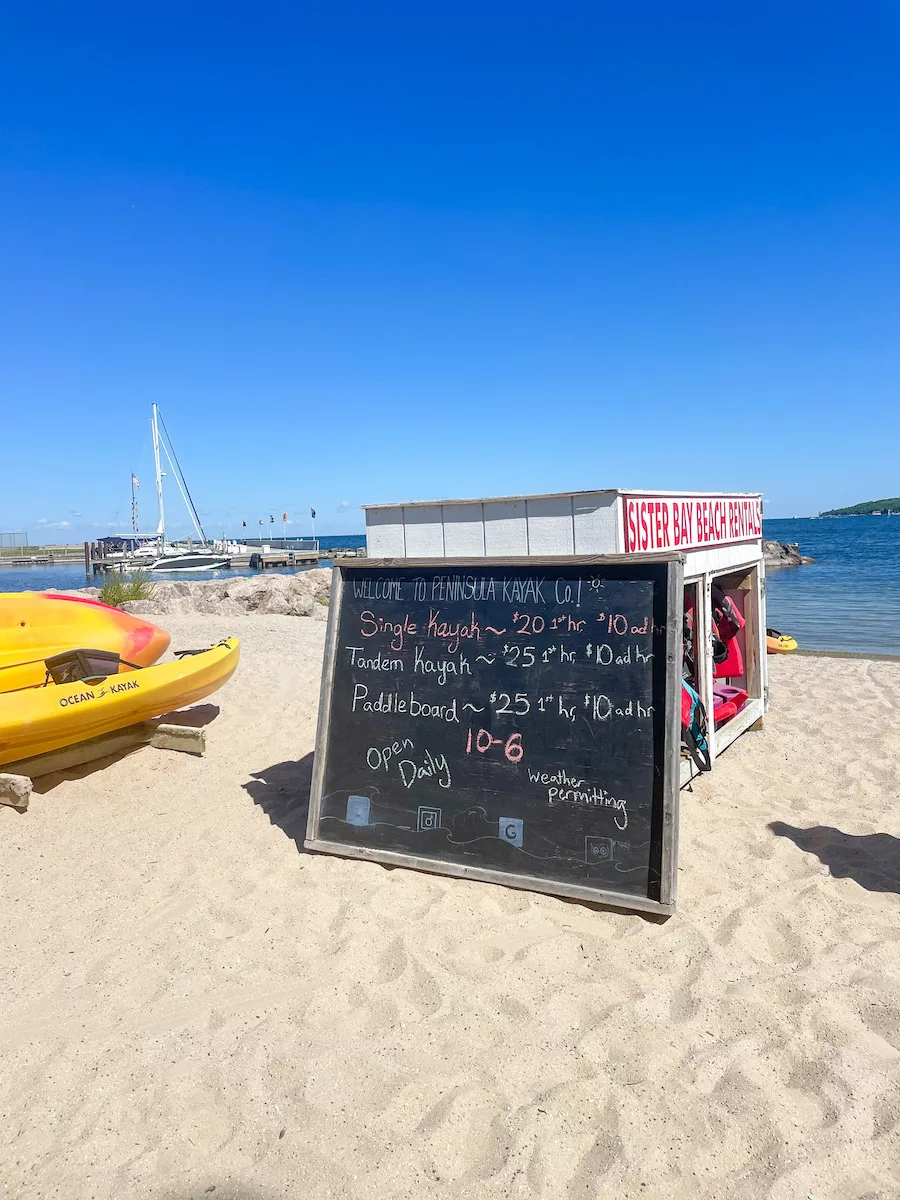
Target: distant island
(869, 508)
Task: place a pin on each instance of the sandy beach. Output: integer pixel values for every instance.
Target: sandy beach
(193, 1005)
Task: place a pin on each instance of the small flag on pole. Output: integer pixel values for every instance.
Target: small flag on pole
(271, 519)
(244, 523)
(284, 517)
(134, 481)
(312, 513)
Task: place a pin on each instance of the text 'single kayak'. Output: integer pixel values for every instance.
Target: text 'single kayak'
(40, 719)
(35, 626)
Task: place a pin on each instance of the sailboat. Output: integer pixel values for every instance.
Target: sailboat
(172, 557)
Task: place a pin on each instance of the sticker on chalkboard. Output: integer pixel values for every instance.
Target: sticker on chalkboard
(511, 830)
(429, 819)
(599, 850)
(358, 810)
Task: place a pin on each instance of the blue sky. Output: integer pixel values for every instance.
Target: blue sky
(362, 253)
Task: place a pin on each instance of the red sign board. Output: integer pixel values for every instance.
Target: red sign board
(690, 522)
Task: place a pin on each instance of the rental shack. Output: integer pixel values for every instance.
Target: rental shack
(718, 535)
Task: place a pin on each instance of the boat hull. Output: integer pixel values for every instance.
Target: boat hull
(42, 719)
(36, 625)
(190, 562)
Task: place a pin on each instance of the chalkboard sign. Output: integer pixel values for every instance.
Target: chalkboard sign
(510, 720)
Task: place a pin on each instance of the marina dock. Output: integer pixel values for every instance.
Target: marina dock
(38, 560)
(249, 557)
(250, 560)
(261, 560)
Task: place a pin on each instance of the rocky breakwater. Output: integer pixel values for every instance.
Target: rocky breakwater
(787, 554)
(302, 595)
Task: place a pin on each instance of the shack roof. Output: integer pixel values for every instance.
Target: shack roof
(557, 496)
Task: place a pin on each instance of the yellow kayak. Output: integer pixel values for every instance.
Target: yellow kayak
(779, 643)
(44, 718)
(35, 626)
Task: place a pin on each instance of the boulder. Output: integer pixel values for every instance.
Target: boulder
(778, 554)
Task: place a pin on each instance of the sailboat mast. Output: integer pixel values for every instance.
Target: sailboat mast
(161, 528)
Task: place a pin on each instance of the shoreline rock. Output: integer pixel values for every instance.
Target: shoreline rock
(784, 554)
(305, 594)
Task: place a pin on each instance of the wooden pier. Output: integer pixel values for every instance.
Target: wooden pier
(37, 560)
(264, 559)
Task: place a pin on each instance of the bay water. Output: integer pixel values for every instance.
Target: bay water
(849, 598)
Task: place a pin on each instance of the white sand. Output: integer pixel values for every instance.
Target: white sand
(192, 1007)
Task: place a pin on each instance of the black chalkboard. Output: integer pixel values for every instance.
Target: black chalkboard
(509, 720)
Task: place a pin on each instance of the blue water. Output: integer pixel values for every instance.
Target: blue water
(849, 598)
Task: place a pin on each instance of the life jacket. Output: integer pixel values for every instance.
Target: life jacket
(726, 614)
(687, 639)
(694, 727)
(718, 647)
(728, 659)
(732, 665)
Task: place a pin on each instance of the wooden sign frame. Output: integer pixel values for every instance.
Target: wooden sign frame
(666, 820)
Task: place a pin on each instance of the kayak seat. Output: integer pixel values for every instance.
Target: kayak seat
(88, 666)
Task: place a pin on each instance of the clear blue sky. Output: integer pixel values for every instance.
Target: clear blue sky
(370, 252)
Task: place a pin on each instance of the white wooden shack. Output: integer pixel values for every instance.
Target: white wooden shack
(719, 535)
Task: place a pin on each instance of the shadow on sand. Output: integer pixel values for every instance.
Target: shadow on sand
(872, 859)
(194, 718)
(282, 792)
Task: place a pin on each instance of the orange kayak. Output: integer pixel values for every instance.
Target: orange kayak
(36, 625)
